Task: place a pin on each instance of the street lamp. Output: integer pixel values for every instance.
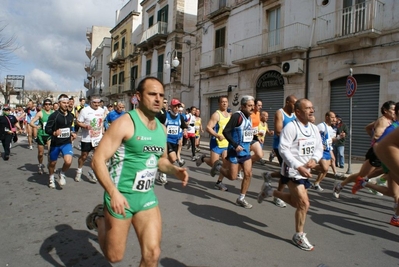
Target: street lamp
(175, 64)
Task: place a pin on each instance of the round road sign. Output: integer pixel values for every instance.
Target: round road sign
(351, 86)
(133, 100)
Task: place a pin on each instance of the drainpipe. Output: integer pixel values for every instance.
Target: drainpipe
(309, 49)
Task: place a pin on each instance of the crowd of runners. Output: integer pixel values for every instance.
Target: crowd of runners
(132, 150)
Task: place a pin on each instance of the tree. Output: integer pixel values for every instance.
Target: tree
(7, 47)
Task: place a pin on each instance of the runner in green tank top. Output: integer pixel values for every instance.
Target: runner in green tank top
(136, 147)
(42, 137)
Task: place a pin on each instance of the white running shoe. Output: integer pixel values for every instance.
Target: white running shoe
(162, 178)
(221, 187)
(243, 203)
(30, 147)
(78, 176)
(240, 175)
(279, 203)
(51, 183)
(92, 177)
(317, 187)
(265, 191)
(302, 242)
(61, 179)
(181, 162)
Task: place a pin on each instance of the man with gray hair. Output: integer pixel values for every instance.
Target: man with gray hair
(91, 120)
(239, 133)
(301, 148)
(118, 111)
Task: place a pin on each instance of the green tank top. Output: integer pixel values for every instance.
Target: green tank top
(43, 121)
(134, 165)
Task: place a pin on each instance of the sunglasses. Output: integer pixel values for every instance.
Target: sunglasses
(47, 104)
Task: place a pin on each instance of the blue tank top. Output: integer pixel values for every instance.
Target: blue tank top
(173, 127)
(389, 129)
(286, 120)
(240, 135)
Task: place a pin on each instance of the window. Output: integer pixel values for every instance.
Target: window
(116, 46)
(114, 79)
(133, 77)
(121, 77)
(274, 26)
(150, 21)
(148, 67)
(160, 67)
(220, 39)
(163, 14)
(353, 16)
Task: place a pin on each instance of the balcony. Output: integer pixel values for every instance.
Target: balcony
(96, 69)
(119, 56)
(88, 51)
(87, 67)
(364, 20)
(86, 83)
(89, 35)
(214, 60)
(285, 40)
(154, 35)
(220, 10)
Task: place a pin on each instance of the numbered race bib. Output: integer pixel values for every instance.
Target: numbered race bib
(144, 180)
(172, 129)
(65, 133)
(247, 136)
(95, 141)
(306, 147)
(255, 130)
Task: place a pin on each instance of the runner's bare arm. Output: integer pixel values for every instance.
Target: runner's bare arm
(37, 117)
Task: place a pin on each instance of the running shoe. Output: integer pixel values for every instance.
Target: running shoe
(217, 165)
(197, 150)
(200, 160)
(181, 162)
(162, 178)
(51, 183)
(243, 203)
(271, 156)
(337, 189)
(317, 187)
(30, 147)
(61, 178)
(267, 178)
(92, 177)
(98, 211)
(240, 175)
(221, 187)
(78, 176)
(394, 221)
(375, 192)
(41, 168)
(302, 242)
(262, 162)
(265, 191)
(358, 185)
(194, 158)
(279, 203)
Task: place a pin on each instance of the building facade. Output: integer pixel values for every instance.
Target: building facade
(97, 52)
(274, 48)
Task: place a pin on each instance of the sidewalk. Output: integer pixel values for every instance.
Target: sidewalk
(355, 165)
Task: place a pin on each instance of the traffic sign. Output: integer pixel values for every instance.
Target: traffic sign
(134, 100)
(351, 86)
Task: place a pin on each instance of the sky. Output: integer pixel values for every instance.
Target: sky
(50, 36)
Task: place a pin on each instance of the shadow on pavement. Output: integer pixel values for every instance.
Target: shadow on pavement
(70, 247)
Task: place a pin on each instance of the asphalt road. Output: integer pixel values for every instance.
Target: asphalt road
(201, 226)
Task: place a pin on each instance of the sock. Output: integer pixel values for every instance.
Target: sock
(61, 172)
(52, 177)
(299, 233)
(218, 182)
(79, 170)
(241, 197)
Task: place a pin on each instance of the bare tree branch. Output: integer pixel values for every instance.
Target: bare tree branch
(7, 47)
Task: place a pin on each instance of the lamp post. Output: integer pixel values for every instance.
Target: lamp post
(175, 63)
